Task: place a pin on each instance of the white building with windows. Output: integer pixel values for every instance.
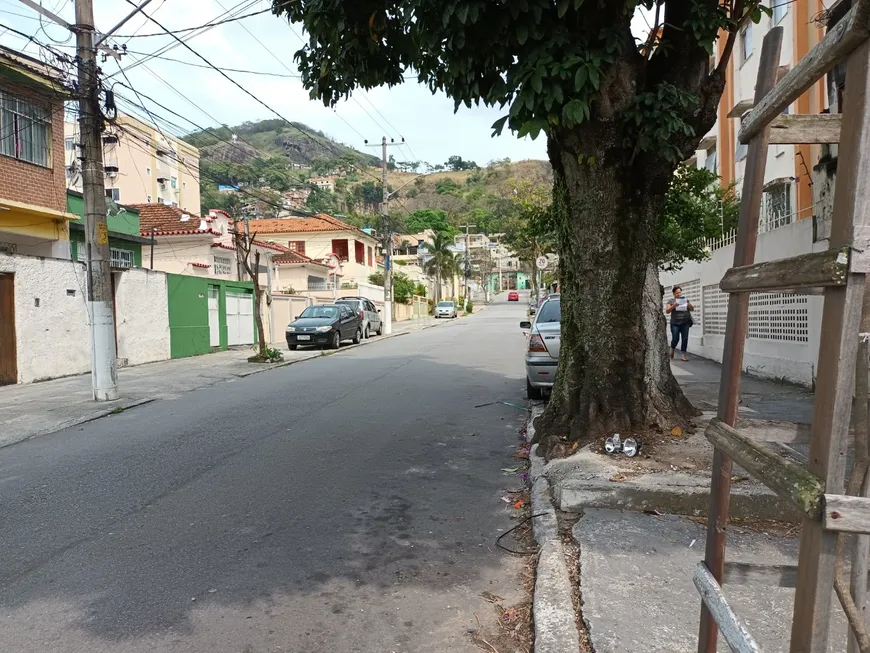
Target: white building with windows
(143, 164)
(784, 329)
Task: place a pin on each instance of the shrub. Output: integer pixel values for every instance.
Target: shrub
(469, 307)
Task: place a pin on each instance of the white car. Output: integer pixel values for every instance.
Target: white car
(542, 348)
(369, 314)
(445, 309)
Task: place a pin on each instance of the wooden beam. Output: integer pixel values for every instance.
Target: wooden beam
(840, 40)
(821, 128)
(744, 573)
(737, 326)
(732, 630)
(815, 270)
(846, 514)
(790, 481)
(764, 430)
(838, 351)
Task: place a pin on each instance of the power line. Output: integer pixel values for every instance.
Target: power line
(198, 27)
(199, 65)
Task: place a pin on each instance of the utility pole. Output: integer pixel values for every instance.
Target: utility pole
(467, 270)
(104, 370)
(153, 231)
(387, 317)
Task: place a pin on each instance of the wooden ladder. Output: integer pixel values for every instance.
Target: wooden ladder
(817, 491)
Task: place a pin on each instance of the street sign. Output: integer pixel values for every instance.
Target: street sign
(542, 262)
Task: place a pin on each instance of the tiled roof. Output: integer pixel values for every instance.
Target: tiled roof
(291, 257)
(320, 222)
(275, 246)
(167, 220)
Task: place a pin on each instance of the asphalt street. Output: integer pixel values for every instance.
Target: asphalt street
(347, 503)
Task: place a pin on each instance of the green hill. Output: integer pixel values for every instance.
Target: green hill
(294, 142)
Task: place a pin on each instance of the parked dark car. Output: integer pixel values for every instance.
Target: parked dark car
(324, 326)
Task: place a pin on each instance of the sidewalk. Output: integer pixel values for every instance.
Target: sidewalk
(29, 410)
(641, 531)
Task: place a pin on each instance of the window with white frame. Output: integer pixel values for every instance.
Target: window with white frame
(122, 258)
(114, 194)
(742, 148)
(160, 200)
(25, 130)
(780, 9)
(173, 182)
(746, 42)
(776, 207)
(223, 265)
(69, 144)
(710, 162)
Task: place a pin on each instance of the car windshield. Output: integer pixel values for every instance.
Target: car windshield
(445, 304)
(320, 311)
(550, 311)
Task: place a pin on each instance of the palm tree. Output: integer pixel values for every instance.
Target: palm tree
(443, 262)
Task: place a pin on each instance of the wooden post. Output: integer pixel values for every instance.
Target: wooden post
(837, 358)
(736, 331)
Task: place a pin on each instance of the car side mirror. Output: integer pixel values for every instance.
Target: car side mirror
(525, 325)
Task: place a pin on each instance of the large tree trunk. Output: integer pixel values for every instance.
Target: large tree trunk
(614, 374)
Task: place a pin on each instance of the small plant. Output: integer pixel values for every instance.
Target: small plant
(469, 307)
(289, 290)
(269, 355)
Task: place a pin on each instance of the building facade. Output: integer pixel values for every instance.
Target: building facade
(33, 214)
(142, 164)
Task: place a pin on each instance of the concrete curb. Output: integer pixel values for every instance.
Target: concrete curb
(552, 606)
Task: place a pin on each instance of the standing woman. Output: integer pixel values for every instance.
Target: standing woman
(681, 321)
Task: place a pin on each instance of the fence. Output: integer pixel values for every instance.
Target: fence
(784, 328)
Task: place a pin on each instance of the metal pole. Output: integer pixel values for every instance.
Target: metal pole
(153, 230)
(388, 244)
(104, 371)
(122, 23)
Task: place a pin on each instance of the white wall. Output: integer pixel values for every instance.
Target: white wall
(142, 318)
(784, 329)
(51, 325)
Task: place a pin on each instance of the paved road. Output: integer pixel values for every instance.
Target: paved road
(348, 503)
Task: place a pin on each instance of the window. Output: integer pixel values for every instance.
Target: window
(223, 265)
(370, 256)
(148, 172)
(297, 246)
(360, 252)
(742, 148)
(746, 42)
(160, 200)
(69, 144)
(173, 182)
(114, 194)
(780, 9)
(122, 258)
(710, 162)
(25, 130)
(148, 199)
(339, 248)
(776, 207)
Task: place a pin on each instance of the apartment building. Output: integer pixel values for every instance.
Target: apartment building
(143, 165)
(788, 195)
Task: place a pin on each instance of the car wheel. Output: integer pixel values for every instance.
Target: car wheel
(532, 392)
(357, 337)
(335, 343)
(292, 347)
(366, 333)
(380, 329)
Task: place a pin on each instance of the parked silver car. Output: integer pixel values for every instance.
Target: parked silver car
(542, 348)
(369, 315)
(445, 309)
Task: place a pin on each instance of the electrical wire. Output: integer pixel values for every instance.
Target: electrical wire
(198, 27)
(229, 70)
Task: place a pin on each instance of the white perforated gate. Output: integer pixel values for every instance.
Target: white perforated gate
(782, 317)
(240, 319)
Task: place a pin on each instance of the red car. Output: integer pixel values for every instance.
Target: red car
(513, 296)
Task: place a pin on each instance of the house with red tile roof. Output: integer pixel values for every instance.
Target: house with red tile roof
(186, 243)
(350, 252)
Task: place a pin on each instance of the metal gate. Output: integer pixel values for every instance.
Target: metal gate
(214, 316)
(240, 319)
(8, 350)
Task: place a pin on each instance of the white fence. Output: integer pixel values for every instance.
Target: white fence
(783, 340)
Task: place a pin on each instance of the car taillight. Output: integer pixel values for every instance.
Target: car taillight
(536, 343)
(362, 316)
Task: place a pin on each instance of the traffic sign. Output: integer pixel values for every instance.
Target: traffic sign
(542, 262)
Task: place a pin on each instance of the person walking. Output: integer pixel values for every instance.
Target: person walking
(680, 310)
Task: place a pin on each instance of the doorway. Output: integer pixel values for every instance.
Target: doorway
(8, 349)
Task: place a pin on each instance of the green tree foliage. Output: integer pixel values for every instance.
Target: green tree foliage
(446, 187)
(376, 278)
(403, 288)
(696, 208)
(321, 200)
(442, 263)
(433, 219)
(456, 163)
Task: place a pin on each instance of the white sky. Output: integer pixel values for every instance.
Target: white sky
(431, 129)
